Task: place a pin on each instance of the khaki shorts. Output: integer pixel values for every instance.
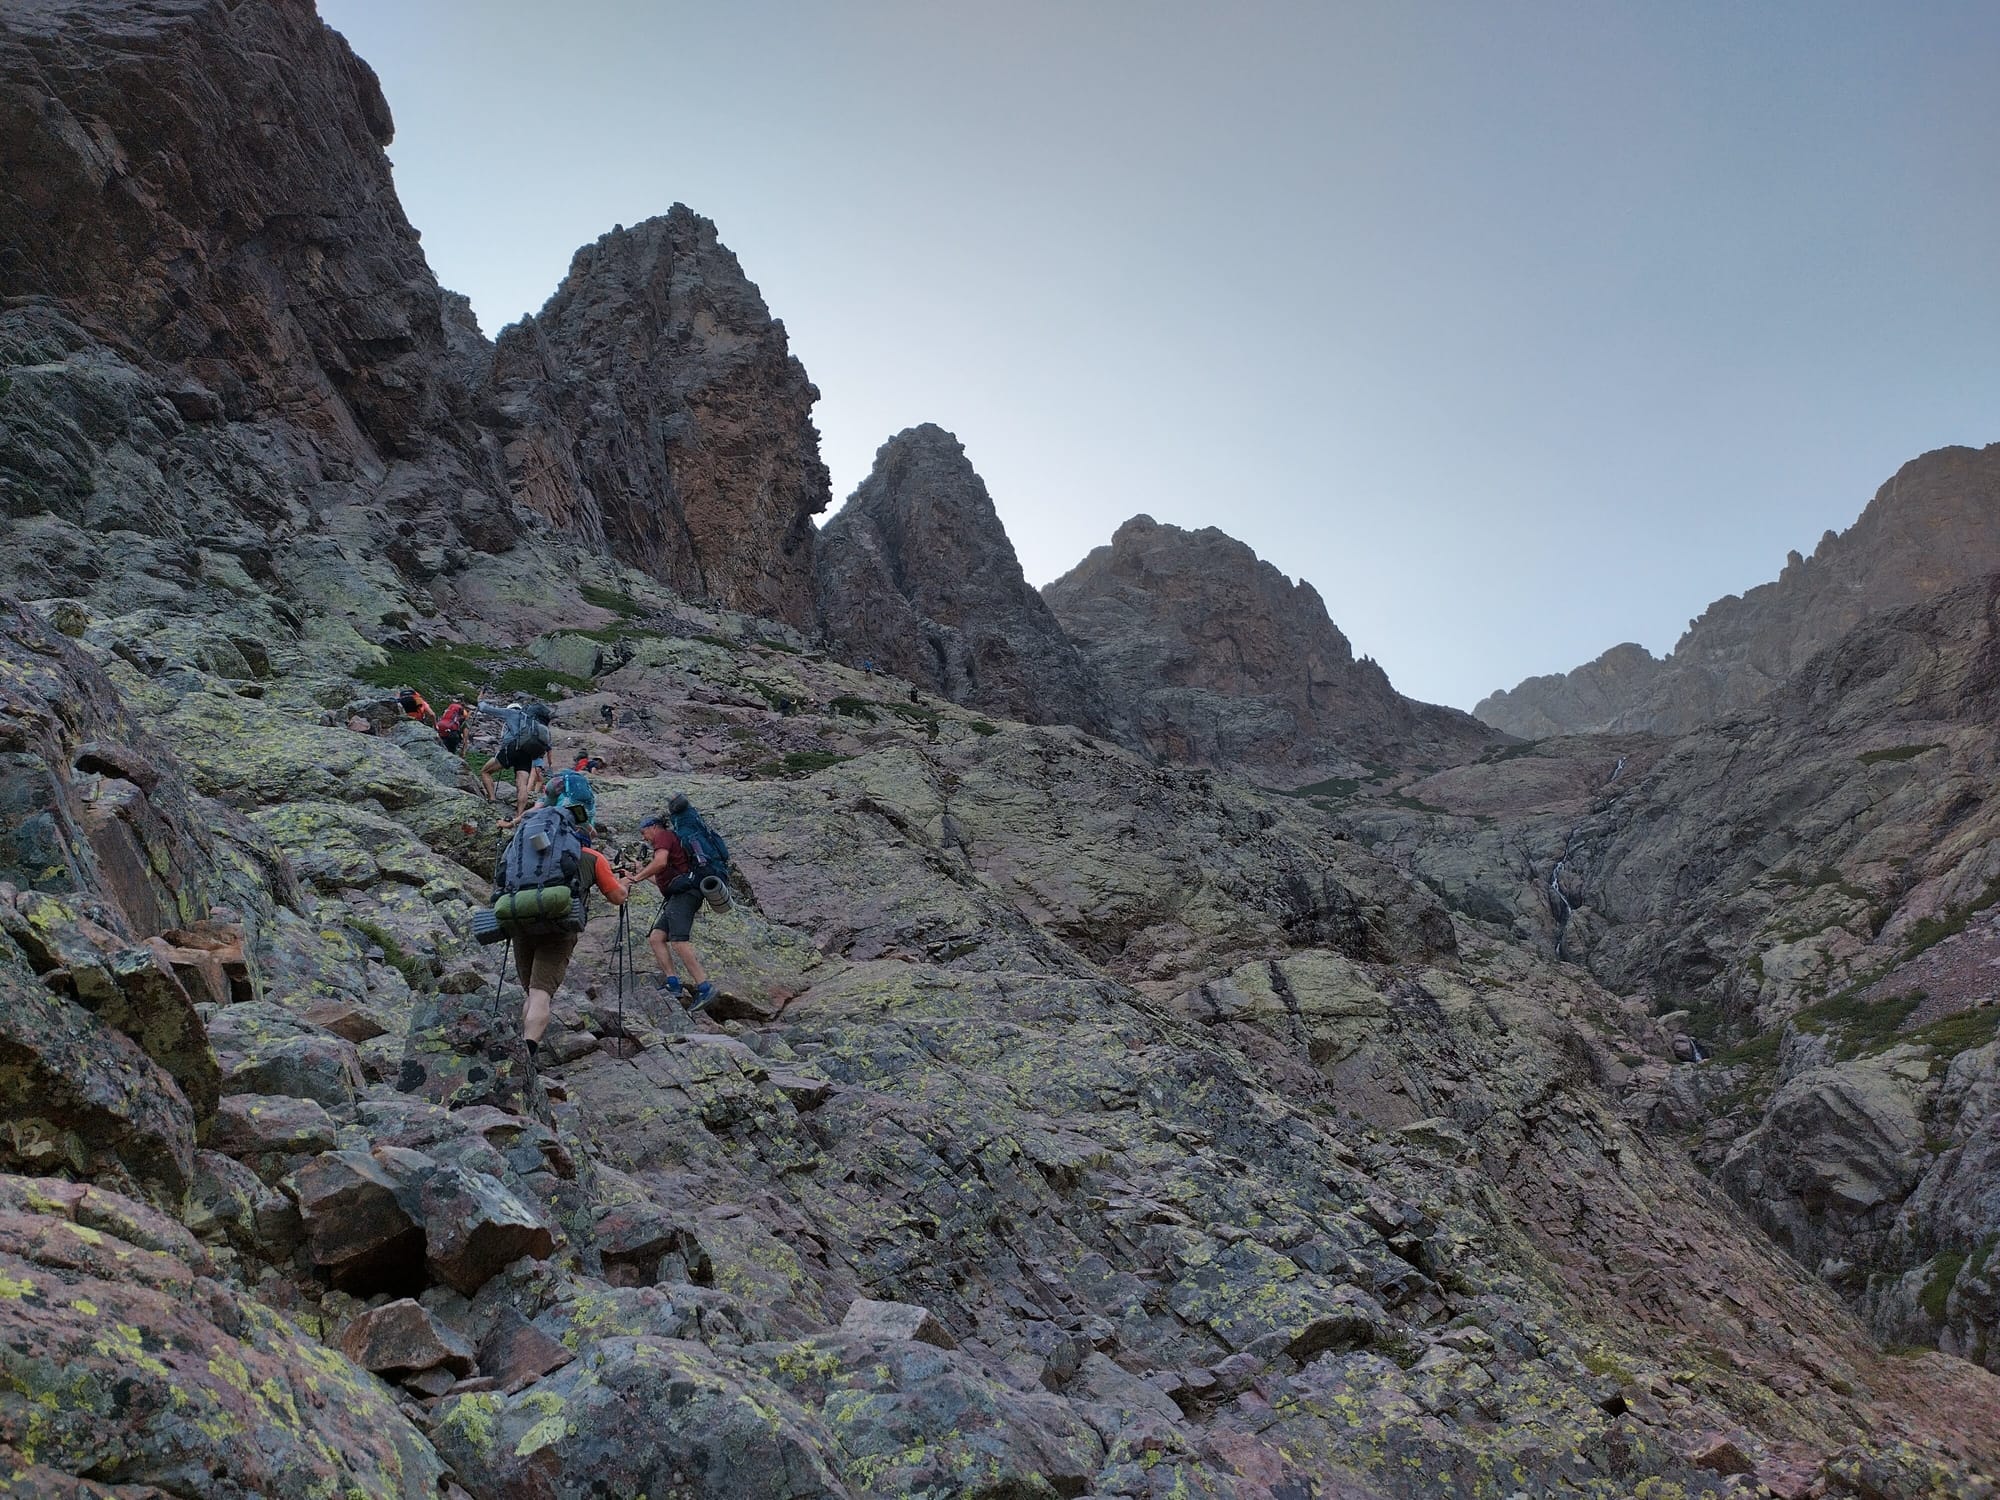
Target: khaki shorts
(541, 962)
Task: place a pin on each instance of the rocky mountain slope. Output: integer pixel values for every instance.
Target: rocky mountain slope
(1217, 1156)
(1932, 527)
(917, 574)
(1071, 1124)
(1211, 656)
(1809, 887)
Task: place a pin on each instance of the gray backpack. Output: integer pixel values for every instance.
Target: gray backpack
(538, 884)
(526, 739)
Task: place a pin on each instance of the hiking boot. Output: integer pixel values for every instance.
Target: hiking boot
(671, 983)
(703, 993)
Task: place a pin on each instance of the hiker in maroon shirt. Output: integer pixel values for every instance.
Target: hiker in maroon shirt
(671, 869)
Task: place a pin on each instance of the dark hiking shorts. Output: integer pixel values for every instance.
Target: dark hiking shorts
(541, 962)
(451, 739)
(676, 917)
(522, 759)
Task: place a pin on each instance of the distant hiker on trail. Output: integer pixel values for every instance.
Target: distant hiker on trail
(414, 706)
(524, 740)
(587, 762)
(451, 726)
(542, 887)
(678, 866)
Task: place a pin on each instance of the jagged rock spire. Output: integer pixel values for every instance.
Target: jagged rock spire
(917, 574)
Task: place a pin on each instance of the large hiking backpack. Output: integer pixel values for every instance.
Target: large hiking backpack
(707, 850)
(572, 789)
(527, 738)
(538, 883)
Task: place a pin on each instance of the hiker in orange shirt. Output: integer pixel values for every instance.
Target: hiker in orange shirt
(414, 707)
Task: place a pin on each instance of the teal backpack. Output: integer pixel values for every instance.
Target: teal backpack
(572, 789)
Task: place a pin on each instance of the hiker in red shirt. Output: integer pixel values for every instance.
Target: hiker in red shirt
(451, 726)
(672, 870)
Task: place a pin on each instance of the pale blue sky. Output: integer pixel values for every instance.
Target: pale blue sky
(1518, 329)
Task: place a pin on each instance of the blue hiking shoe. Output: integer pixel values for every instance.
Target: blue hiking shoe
(703, 993)
(671, 983)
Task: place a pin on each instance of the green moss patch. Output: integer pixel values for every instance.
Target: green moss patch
(1337, 788)
(1900, 752)
(619, 604)
(800, 763)
(1859, 1024)
(1758, 1051)
(1960, 1033)
(413, 969)
(466, 671)
(1937, 1286)
(611, 635)
(1414, 804)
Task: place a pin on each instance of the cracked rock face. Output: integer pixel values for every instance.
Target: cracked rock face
(1213, 657)
(1809, 886)
(653, 406)
(916, 574)
(1932, 527)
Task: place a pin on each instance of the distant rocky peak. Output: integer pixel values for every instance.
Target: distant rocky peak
(1217, 588)
(671, 266)
(918, 576)
(1212, 655)
(1933, 526)
(932, 513)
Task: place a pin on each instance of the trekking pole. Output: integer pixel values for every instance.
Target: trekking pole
(621, 965)
(500, 979)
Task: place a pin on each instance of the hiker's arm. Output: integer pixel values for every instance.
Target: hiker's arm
(655, 866)
(610, 885)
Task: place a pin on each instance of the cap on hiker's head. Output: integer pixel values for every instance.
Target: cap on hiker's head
(652, 822)
(513, 708)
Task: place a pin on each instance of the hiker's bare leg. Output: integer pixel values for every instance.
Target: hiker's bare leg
(535, 1015)
(662, 955)
(486, 777)
(524, 788)
(685, 953)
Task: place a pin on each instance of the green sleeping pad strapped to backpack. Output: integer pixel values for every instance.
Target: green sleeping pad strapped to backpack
(538, 884)
(548, 904)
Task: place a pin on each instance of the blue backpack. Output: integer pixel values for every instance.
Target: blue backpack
(572, 789)
(707, 850)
